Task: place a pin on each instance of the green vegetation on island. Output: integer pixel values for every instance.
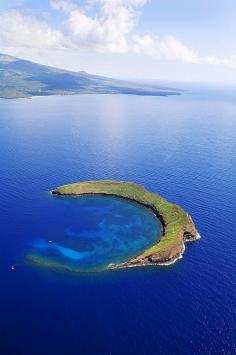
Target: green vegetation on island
(21, 78)
(178, 226)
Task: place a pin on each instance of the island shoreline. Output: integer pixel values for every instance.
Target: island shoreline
(160, 255)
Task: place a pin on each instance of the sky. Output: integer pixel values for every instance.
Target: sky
(173, 40)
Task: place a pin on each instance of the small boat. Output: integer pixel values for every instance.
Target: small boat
(13, 267)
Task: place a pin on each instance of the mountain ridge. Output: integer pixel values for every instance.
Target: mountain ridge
(20, 78)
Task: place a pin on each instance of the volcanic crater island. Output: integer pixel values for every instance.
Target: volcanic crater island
(177, 225)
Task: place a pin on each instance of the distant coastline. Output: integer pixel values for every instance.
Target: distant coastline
(24, 79)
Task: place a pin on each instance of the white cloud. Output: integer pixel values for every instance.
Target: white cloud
(110, 29)
(17, 30)
(107, 29)
(63, 5)
(229, 62)
(167, 48)
(170, 49)
(105, 26)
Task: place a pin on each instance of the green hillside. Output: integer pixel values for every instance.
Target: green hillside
(22, 78)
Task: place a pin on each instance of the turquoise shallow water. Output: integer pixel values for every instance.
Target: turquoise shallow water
(89, 233)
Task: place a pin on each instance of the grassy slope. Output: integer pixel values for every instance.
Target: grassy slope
(174, 217)
(22, 78)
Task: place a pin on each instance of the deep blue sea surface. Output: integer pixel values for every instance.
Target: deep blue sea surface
(181, 147)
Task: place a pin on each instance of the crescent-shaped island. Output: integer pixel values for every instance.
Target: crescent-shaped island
(178, 226)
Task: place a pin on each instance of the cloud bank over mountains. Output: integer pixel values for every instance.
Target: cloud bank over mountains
(104, 26)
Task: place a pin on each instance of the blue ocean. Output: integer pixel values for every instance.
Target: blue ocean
(182, 147)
